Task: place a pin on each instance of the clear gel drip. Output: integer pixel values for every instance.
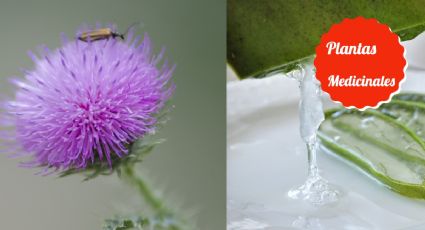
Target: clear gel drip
(315, 190)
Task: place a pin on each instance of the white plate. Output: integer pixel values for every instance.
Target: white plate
(266, 158)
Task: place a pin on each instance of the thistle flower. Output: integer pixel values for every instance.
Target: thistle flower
(88, 101)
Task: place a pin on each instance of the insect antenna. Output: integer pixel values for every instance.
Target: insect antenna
(139, 23)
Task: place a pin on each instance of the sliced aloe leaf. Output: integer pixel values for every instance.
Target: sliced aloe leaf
(265, 36)
(412, 97)
(381, 146)
(409, 113)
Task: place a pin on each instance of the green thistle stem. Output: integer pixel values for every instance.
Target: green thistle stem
(148, 195)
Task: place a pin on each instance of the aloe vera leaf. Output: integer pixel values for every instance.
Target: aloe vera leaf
(409, 113)
(383, 131)
(411, 97)
(379, 145)
(414, 190)
(265, 36)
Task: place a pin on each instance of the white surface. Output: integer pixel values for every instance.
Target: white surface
(266, 158)
(415, 51)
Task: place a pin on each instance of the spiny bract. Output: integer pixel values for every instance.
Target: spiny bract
(89, 100)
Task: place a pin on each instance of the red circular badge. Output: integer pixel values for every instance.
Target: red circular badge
(360, 63)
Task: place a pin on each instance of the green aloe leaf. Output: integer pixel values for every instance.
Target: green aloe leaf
(266, 36)
(386, 143)
(412, 97)
(409, 113)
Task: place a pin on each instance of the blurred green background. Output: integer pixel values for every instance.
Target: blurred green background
(189, 169)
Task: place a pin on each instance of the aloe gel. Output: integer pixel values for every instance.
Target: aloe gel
(315, 190)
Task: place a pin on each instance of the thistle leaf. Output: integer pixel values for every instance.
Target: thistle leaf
(141, 223)
(125, 223)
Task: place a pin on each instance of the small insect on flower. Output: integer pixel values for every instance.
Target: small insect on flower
(99, 34)
(89, 100)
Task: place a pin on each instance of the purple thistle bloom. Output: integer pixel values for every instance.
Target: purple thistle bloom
(88, 100)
